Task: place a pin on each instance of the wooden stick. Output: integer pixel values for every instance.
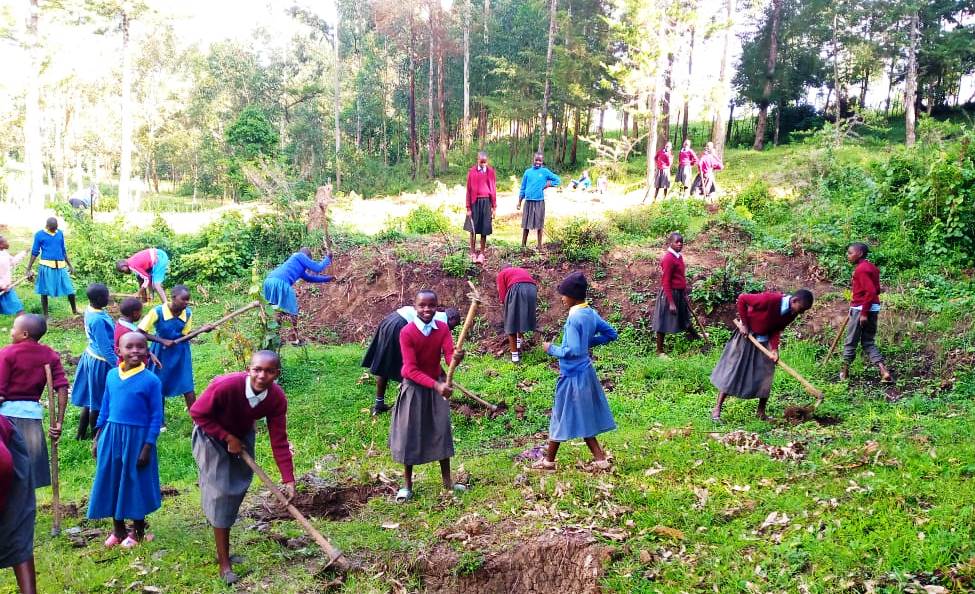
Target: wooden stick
(52, 407)
(468, 322)
(832, 347)
(19, 281)
(334, 554)
(697, 319)
(805, 383)
(222, 320)
(477, 398)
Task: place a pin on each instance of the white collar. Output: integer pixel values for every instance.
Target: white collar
(252, 398)
(784, 308)
(426, 329)
(676, 254)
(129, 325)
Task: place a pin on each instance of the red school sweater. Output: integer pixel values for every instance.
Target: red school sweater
(510, 277)
(673, 274)
(866, 284)
(421, 354)
(762, 314)
(22, 374)
(480, 184)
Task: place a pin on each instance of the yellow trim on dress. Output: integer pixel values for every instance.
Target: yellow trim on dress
(53, 263)
(579, 306)
(126, 374)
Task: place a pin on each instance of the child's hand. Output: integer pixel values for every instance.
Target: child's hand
(775, 355)
(167, 343)
(546, 346)
(70, 269)
(443, 389)
(288, 490)
(94, 448)
(155, 360)
(143, 460)
(55, 432)
(863, 317)
(672, 307)
(741, 326)
(30, 275)
(458, 357)
(234, 445)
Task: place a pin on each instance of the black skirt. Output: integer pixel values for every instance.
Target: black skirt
(384, 358)
(17, 517)
(743, 370)
(662, 179)
(480, 220)
(671, 323)
(520, 306)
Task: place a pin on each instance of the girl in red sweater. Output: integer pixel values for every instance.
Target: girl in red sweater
(672, 313)
(861, 326)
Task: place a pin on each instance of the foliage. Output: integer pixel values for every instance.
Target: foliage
(658, 219)
(723, 285)
(457, 264)
(423, 220)
(581, 239)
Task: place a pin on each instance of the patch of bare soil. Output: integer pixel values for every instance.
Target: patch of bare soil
(796, 415)
(318, 500)
(551, 563)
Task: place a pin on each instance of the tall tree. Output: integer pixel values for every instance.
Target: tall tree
(690, 78)
(543, 122)
(337, 98)
(910, 84)
(126, 200)
(773, 47)
(431, 128)
(466, 125)
(721, 97)
(32, 114)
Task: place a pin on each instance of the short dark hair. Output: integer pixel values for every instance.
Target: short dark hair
(178, 290)
(452, 313)
(674, 235)
(51, 221)
(129, 306)
(427, 292)
(97, 295)
(266, 354)
(862, 248)
(804, 296)
(35, 325)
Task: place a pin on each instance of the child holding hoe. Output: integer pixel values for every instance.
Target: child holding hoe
(581, 408)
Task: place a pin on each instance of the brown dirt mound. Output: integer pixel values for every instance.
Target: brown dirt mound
(796, 415)
(317, 500)
(552, 563)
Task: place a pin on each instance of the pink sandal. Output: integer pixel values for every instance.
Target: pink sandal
(113, 541)
(131, 542)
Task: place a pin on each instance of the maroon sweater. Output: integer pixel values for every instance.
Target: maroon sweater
(22, 374)
(481, 184)
(865, 285)
(510, 277)
(762, 314)
(673, 274)
(223, 410)
(421, 354)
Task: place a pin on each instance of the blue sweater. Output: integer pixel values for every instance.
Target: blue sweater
(47, 246)
(583, 329)
(297, 266)
(533, 183)
(100, 330)
(133, 399)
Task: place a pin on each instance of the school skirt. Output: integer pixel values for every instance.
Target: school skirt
(161, 268)
(419, 430)
(224, 479)
(384, 357)
(743, 371)
(281, 295)
(581, 409)
(17, 517)
(480, 220)
(520, 306)
(89, 381)
(53, 282)
(671, 323)
(661, 180)
(10, 303)
(685, 175)
(122, 490)
(533, 214)
(176, 374)
(698, 185)
(32, 432)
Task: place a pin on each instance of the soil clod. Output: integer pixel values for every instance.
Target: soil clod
(797, 415)
(318, 500)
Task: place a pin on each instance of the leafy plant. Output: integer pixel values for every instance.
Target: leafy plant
(457, 264)
(423, 220)
(582, 239)
(658, 219)
(724, 285)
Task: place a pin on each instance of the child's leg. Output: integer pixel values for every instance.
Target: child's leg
(26, 576)
(513, 343)
(118, 528)
(483, 243)
(83, 424)
(472, 236)
(408, 476)
(660, 343)
(552, 450)
(190, 398)
(381, 384)
(73, 303)
(597, 451)
(445, 474)
(222, 538)
(540, 239)
(294, 326)
(524, 238)
(760, 413)
(716, 412)
(139, 529)
(44, 305)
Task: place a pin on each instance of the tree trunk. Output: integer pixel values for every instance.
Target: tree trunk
(431, 128)
(358, 98)
(773, 48)
(718, 131)
(863, 89)
(482, 125)
(337, 103)
(575, 140)
(685, 125)
(663, 132)
(836, 76)
(32, 115)
(890, 86)
(487, 19)
(441, 93)
(126, 201)
(602, 122)
(467, 75)
(553, 5)
(411, 101)
(778, 124)
(626, 123)
(653, 106)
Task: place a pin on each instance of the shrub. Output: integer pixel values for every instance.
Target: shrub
(658, 219)
(423, 220)
(457, 264)
(582, 239)
(724, 285)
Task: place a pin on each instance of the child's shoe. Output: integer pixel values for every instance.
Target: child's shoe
(543, 465)
(113, 541)
(516, 357)
(518, 342)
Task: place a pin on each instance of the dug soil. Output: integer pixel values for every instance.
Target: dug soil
(317, 499)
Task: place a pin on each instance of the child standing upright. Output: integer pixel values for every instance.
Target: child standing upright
(10, 304)
(419, 430)
(17, 508)
(861, 327)
(672, 313)
(22, 381)
(481, 203)
(98, 359)
(162, 326)
(126, 483)
(581, 409)
(533, 184)
(686, 160)
(743, 370)
(54, 269)
(518, 293)
(662, 161)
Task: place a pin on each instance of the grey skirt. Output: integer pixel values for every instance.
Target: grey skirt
(671, 323)
(224, 479)
(32, 432)
(662, 179)
(419, 430)
(743, 370)
(685, 175)
(520, 306)
(533, 214)
(480, 220)
(17, 518)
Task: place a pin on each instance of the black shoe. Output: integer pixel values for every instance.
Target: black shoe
(380, 408)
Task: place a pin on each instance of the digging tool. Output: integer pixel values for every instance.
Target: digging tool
(19, 281)
(479, 400)
(813, 390)
(52, 407)
(335, 557)
(222, 320)
(704, 333)
(836, 341)
(475, 297)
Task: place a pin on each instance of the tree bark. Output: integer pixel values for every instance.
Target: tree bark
(575, 140)
(553, 5)
(663, 131)
(836, 76)
(890, 86)
(431, 128)
(718, 131)
(467, 75)
(337, 103)
(441, 93)
(773, 48)
(602, 121)
(411, 107)
(32, 115)
(778, 124)
(685, 125)
(626, 123)
(126, 201)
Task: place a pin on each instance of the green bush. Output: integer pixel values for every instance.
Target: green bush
(724, 285)
(658, 219)
(582, 239)
(457, 264)
(423, 220)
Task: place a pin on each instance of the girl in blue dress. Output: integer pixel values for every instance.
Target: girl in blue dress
(126, 483)
(98, 359)
(581, 409)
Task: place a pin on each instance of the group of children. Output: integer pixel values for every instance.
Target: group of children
(702, 185)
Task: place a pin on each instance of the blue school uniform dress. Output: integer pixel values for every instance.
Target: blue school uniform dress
(581, 409)
(132, 412)
(278, 286)
(52, 270)
(98, 359)
(176, 374)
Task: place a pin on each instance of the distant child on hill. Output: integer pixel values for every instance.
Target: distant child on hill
(581, 409)
(705, 184)
(54, 269)
(686, 160)
(518, 293)
(279, 285)
(22, 382)
(533, 184)
(743, 370)
(98, 359)
(662, 161)
(384, 359)
(861, 327)
(672, 313)
(162, 326)
(126, 483)
(419, 430)
(10, 304)
(17, 508)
